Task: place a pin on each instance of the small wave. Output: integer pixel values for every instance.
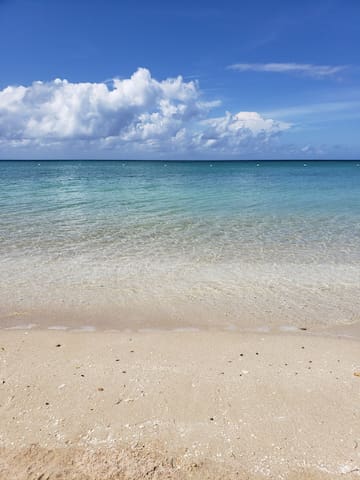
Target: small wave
(27, 326)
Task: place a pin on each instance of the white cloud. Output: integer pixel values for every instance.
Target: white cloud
(64, 110)
(307, 69)
(137, 114)
(234, 132)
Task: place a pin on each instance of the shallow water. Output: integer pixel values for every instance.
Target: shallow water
(137, 244)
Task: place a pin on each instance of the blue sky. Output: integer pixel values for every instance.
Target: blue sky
(260, 79)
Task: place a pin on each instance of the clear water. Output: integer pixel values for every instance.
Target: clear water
(155, 229)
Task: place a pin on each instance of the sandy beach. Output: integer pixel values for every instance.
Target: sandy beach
(206, 404)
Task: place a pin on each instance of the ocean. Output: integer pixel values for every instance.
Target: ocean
(144, 244)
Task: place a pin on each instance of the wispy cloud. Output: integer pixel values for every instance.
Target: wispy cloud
(307, 69)
(316, 109)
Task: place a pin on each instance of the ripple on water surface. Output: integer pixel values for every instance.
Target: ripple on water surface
(224, 239)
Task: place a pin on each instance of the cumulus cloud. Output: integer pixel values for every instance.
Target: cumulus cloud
(307, 69)
(139, 113)
(64, 110)
(234, 131)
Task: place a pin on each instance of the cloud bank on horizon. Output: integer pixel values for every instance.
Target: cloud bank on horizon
(138, 115)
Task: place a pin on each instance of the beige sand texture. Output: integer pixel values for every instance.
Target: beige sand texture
(178, 405)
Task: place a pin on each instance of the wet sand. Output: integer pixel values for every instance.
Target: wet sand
(178, 405)
(111, 294)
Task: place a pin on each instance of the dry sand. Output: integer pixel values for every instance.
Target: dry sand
(178, 405)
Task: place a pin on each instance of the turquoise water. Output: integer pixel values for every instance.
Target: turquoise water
(203, 233)
(208, 211)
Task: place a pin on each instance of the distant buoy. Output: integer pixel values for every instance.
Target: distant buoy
(305, 165)
(258, 164)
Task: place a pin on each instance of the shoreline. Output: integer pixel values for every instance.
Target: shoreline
(114, 293)
(349, 331)
(199, 404)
